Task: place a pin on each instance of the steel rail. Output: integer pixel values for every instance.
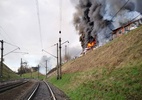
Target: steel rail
(31, 96)
(33, 92)
(11, 86)
(51, 91)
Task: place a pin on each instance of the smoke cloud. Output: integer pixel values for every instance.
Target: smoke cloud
(97, 18)
(43, 63)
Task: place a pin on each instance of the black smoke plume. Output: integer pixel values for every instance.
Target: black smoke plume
(97, 18)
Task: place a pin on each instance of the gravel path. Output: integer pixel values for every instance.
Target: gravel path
(42, 92)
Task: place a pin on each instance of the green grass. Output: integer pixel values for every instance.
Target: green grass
(110, 72)
(34, 75)
(9, 74)
(63, 83)
(120, 84)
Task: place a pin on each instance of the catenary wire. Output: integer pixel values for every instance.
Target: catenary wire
(120, 9)
(10, 40)
(39, 22)
(117, 13)
(11, 44)
(60, 14)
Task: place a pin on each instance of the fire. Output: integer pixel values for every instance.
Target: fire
(90, 45)
(100, 17)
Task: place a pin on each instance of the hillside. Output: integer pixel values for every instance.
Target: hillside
(113, 71)
(8, 74)
(34, 75)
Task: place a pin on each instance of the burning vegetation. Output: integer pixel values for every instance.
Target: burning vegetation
(99, 21)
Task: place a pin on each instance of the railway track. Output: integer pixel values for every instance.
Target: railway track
(31, 90)
(9, 86)
(42, 92)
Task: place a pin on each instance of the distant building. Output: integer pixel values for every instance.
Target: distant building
(115, 33)
(34, 69)
(126, 28)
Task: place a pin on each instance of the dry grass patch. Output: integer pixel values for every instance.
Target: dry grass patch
(117, 53)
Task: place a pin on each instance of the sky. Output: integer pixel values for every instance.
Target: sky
(20, 27)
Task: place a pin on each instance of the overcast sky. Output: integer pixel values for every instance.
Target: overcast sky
(19, 26)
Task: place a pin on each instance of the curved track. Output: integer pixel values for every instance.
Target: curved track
(42, 92)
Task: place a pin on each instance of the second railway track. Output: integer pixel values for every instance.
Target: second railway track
(11, 86)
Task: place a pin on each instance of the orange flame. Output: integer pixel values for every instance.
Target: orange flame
(91, 44)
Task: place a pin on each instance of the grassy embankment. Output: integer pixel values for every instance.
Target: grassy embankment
(8, 74)
(33, 75)
(110, 72)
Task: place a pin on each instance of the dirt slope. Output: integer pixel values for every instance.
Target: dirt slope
(122, 51)
(110, 72)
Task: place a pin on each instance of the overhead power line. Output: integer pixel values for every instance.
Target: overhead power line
(11, 44)
(120, 9)
(117, 13)
(60, 14)
(5, 34)
(9, 39)
(39, 23)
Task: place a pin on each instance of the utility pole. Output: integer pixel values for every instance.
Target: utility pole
(66, 59)
(60, 69)
(38, 71)
(57, 67)
(1, 71)
(46, 69)
(31, 73)
(21, 68)
(57, 64)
